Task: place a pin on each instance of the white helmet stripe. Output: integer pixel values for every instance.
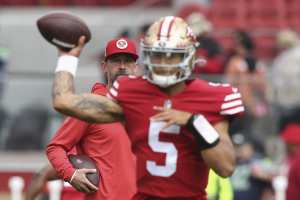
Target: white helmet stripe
(166, 28)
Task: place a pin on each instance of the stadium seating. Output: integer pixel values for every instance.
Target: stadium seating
(268, 14)
(225, 40)
(265, 45)
(66, 2)
(54, 2)
(293, 14)
(85, 2)
(187, 9)
(226, 15)
(18, 2)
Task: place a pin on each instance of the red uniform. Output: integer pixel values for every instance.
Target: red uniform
(107, 144)
(293, 189)
(169, 162)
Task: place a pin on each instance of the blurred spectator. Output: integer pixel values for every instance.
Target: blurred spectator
(252, 176)
(28, 129)
(291, 137)
(289, 116)
(3, 120)
(218, 188)
(243, 71)
(285, 74)
(140, 36)
(142, 31)
(3, 73)
(3, 64)
(208, 49)
(286, 39)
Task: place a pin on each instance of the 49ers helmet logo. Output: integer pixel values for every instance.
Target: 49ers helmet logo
(121, 44)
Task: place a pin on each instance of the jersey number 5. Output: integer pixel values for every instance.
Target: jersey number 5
(168, 148)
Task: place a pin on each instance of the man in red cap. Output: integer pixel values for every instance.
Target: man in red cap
(291, 137)
(107, 144)
(120, 59)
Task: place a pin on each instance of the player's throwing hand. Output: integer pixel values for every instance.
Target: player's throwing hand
(76, 51)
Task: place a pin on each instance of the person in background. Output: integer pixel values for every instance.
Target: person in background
(107, 144)
(3, 75)
(285, 73)
(208, 49)
(4, 53)
(291, 137)
(244, 72)
(252, 177)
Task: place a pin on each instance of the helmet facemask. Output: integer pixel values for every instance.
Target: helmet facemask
(167, 73)
(168, 51)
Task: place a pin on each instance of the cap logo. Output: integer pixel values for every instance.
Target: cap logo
(121, 44)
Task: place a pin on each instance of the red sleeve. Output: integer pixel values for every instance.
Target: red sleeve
(231, 104)
(67, 136)
(99, 88)
(293, 192)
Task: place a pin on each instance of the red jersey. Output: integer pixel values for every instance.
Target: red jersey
(293, 192)
(107, 144)
(169, 162)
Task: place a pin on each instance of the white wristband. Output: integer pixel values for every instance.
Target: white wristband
(67, 63)
(207, 131)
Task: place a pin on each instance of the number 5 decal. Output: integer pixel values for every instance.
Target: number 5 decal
(162, 147)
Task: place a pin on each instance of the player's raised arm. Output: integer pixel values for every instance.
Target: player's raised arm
(87, 107)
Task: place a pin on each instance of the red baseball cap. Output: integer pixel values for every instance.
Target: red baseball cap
(121, 45)
(291, 134)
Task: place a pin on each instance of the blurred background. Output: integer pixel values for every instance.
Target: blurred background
(252, 44)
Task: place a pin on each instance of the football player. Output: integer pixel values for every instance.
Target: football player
(178, 127)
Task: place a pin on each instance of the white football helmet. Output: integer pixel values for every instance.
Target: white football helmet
(168, 37)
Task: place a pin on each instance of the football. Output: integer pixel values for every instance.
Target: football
(82, 161)
(63, 29)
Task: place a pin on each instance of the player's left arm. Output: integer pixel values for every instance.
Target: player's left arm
(221, 157)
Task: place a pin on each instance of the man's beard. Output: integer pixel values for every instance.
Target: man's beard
(120, 73)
